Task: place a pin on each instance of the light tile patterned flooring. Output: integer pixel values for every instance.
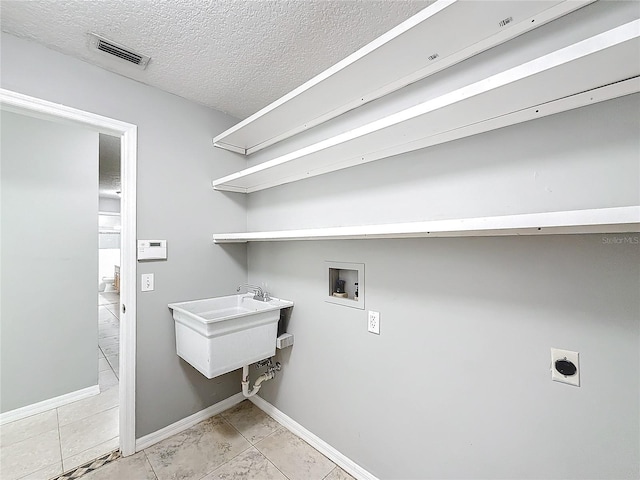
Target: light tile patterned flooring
(42, 446)
(242, 443)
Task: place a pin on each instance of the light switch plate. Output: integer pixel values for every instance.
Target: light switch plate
(373, 324)
(573, 357)
(147, 282)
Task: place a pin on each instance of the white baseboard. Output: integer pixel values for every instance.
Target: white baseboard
(55, 402)
(323, 447)
(188, 422)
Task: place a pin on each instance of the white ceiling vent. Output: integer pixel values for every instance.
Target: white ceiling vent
(117, 50)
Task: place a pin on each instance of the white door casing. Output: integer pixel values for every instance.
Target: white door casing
(34, 107)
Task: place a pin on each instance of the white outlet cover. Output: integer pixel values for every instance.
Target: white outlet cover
(556, 376)
(373, 322)
(147, 282)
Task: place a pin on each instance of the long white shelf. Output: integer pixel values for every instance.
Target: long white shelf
(596, 69)
(601, 220)
(441, 35)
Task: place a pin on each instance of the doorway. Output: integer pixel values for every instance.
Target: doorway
(109, 230)
(126, 135)
(108, 306)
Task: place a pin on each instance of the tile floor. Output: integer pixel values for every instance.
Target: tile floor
(242, 443)
(43, 446)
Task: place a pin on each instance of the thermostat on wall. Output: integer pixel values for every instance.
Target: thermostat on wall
(152, 249)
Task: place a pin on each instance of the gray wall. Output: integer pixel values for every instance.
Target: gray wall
(49, 256)
(176, 163)
(586, 158)
(458, 383)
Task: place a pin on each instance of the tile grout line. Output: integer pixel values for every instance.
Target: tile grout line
(59, 442)
(112, 314)
(20, 420)
(252, 444)
(274, 465)
(334, 469)
(85, 419)
(240, 433)
(87, 449)
(102, 409)
(58, 418)
(238, 454)
(100, 347)
(144, 451)
(114, 372)
(261, 440)
(249, 445)
(282, 427)
(107, 309)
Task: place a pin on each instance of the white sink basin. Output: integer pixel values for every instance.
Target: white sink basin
(218, 335)
(225, 308)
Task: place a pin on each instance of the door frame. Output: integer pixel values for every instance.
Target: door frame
(128, 133)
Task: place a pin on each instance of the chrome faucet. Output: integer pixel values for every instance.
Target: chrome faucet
(259, 294)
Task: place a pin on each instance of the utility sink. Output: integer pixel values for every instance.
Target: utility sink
(221, 334)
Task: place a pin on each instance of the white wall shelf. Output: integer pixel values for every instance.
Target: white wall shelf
(599, 68)
(441, 35)
(601, 220)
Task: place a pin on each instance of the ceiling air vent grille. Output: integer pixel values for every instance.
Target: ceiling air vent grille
(117, 50)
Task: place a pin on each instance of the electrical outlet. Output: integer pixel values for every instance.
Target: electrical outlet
(147, 282)
(565, 366)
(374, 322)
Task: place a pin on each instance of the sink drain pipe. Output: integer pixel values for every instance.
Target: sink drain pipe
(268, 375)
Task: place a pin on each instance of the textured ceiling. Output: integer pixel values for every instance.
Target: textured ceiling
(236, 56)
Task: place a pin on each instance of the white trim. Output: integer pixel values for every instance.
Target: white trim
(266, 127)
(231, 148)
(43, 406)
(128, 290)
(316, 442)
(598, 220)
(485, 105)
(590, 97)
(35, 107)
(188, 422)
